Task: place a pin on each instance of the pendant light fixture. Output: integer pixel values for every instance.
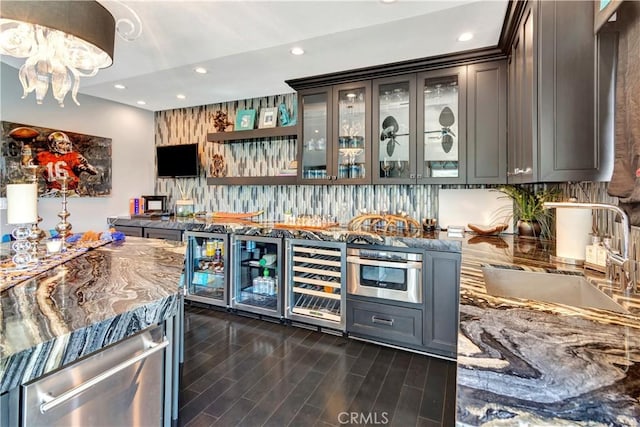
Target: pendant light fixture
(61, 41)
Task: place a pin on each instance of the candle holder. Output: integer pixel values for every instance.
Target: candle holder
(36, 234)
(21, 246)
(63, 227)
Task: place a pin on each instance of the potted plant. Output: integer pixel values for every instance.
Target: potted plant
(533, 220)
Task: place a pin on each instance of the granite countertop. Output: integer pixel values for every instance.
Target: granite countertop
(523, 362)
(85, 304)
(399, 238)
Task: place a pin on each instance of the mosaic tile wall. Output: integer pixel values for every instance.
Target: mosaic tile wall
(257, 158)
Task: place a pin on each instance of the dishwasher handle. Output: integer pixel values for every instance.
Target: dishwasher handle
(406, 265)
(51, 402)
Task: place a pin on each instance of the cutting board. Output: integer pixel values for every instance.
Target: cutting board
(474, 206)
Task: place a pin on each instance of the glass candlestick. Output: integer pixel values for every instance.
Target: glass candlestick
(63, 227)
(21, 246)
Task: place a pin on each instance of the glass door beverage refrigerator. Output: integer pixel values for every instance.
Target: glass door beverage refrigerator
(316, 275)
(207, 267)
(257, 272)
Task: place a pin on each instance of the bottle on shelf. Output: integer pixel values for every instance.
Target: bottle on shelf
(217, 257)
(210, 248)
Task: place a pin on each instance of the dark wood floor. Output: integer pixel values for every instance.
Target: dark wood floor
(249, 372)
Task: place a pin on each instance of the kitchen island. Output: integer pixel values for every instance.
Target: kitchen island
(524, 362)
(76, 309)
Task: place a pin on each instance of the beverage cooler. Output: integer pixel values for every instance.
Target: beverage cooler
(207, 267)
(257, 278)
(317, 286)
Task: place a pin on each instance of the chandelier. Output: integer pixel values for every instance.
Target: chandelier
(61, 41)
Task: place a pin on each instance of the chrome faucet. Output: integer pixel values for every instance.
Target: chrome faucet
(613, 258)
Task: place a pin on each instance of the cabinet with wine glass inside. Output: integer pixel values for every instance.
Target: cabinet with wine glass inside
(335, 132)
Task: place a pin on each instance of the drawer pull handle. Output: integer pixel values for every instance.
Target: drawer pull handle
(51, 402)
(387, 322)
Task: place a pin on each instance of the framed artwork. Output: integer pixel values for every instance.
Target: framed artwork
(54, 153)
(268, 118)
(245, 119)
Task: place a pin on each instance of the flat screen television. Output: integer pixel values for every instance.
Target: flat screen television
(177, 160)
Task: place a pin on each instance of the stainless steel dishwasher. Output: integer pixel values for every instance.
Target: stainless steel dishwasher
(121, 385)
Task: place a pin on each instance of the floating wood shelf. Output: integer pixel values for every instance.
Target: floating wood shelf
(244, 135)
(253, 180)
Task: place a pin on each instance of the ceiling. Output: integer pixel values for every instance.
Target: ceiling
(245, 45)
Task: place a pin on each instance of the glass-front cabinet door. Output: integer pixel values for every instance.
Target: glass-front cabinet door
(351, 130)
(258, 269)
(315, 134)
(394, 124)
(441, 145)
(207, 268)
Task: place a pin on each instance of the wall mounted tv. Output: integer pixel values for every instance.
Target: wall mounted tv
(175, 161)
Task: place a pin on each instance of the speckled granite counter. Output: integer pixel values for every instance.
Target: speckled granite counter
(527, 363)
(85, 304)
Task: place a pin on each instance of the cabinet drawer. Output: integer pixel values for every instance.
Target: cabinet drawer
(129, 230)
(161, 233)
(383, 322)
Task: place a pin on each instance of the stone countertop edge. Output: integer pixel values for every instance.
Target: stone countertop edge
(59, 316)
(427, 241)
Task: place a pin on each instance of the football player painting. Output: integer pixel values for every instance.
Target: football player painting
(60, 161)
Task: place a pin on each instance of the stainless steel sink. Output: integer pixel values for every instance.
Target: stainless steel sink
(549, 287)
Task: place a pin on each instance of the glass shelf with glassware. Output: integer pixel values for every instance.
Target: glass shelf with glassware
(207, 260)
(257, 273)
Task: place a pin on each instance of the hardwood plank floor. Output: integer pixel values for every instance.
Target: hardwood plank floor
(240, 371)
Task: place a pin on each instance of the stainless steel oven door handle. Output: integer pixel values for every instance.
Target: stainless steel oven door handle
(408, 265)
(387, 322)
(51, 401)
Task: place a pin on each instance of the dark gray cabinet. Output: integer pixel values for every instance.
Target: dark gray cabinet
(430, 326)
(475, 128)
(487, 123)
(335, 134)
(163, 233)
(150, 232)
(386, 322)
(551, 95)
(442, 298)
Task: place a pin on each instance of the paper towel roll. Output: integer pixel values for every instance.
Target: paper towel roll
(22, 200)
(573, 227)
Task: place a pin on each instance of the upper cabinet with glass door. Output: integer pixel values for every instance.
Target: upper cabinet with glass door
(335, 134)
(441, 144)
(394, 124)
(315, 133)
(352, 124)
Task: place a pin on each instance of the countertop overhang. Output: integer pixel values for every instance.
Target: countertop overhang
(85, 304)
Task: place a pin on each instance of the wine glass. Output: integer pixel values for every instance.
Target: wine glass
(401, 166)
(387, 165)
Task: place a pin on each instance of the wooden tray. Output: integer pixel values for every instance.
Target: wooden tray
(304, 227)
(234, 215)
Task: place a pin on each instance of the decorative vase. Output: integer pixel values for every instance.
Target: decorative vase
(529, 229)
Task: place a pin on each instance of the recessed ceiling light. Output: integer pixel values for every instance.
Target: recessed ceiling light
(141, 103)
(119, 86)
(465, 37)
(181, 96)
(297, 51)
(388, 1)
(201, 70)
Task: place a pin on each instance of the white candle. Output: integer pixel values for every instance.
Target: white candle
(22, 200)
